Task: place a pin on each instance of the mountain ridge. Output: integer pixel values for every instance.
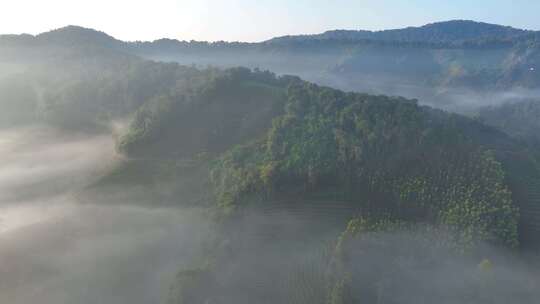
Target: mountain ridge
(468, 29)
(482, 29)
(415, 62)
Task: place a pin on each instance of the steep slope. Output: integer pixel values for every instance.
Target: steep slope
(387, 155)
(175, 134)
(231, 107)
(520, 120)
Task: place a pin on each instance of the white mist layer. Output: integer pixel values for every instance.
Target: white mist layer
(56, 250)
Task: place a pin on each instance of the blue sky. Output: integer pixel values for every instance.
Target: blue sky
(252, 20)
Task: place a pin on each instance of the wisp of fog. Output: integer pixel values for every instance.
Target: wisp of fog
(55, 250)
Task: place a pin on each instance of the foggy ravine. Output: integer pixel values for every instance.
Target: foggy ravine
(56, 250)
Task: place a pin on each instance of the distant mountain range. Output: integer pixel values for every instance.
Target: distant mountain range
(440, 32)
(453, 31)
(446, 64)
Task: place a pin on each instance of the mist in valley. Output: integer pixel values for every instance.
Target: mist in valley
(433, 88)
(54, 249)
(297, 170)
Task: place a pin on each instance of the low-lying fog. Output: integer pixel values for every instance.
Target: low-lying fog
(56, 250)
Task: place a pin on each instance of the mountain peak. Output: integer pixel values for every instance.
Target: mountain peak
(73, 34)
(473, 28)
(439, 32)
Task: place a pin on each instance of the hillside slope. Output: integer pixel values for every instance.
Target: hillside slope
(328, 157)
(383, 155)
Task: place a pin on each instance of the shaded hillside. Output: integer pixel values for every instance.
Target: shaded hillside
(84, 88)
(388, 155)
(233, 107)
(385, 156)
(520, 120)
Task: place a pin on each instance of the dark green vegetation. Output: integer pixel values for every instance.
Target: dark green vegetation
(230, 108)
(388, 155)
(317, 195)
(322, 156)
(519, 119)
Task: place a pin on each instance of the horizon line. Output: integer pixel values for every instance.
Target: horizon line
(268, 39)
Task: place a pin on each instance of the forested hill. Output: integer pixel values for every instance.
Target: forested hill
(283, 137)
(324, 156)
(450, 32)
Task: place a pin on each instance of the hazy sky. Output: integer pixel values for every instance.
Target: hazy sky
(252, 20)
